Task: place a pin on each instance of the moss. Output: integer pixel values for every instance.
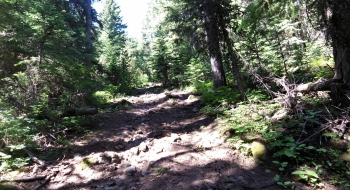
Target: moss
(86, 163)
(258, 151)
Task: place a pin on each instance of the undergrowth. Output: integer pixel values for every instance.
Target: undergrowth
(300, 143)
(19, 132)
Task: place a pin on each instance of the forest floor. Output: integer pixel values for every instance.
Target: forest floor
(161, 141)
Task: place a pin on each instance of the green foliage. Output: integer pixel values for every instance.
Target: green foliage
(256, 96)
(322, 67)
(101, 97)
(250, 120)
(204, 87)
(221, 96)
(14, 129)
(114, 51)
(197, 71)
(15, 159)
(238, 144)
(87, 162)
(243, 120)
(307, 175)
(285, 184)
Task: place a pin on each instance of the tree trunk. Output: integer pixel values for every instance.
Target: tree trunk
(88, 34)
(338, 16)
(341, 55)
(234, 61)
(212, 28)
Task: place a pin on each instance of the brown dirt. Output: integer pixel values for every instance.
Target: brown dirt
(161, 142)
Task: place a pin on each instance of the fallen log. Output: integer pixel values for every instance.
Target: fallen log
(339, 91)
(48, 178)
(322, 85)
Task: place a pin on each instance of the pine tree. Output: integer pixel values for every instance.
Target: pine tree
(112, 43)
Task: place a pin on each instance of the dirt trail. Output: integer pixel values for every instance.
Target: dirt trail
(161, 142)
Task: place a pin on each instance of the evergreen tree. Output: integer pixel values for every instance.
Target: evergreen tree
(112, 43)
(45, 47)
(205, 24)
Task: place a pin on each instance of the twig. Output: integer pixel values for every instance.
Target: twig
(297, 144)
(302, 132)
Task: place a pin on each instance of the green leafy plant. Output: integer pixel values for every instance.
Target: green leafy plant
(307, 175)
(285, 184)
(281, 165)
(15, 159)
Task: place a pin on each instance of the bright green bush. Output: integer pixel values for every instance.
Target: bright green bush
(203, 87)
(101, 97)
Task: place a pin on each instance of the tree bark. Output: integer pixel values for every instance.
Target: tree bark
(341, 55)
(212, 28)
(337, 16)
(317, 86)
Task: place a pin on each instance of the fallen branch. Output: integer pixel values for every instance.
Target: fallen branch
(33, 158)
(317, 132)
(48, 178)
(24, 179)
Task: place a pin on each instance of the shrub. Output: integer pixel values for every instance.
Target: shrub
(203, 87)
(101, 97)
(222, 95)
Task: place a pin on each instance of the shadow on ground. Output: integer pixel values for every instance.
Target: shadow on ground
(161, 142)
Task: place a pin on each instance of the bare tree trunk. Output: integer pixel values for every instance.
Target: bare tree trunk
(211, 28)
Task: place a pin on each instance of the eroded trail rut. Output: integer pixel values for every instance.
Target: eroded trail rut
(161, 142)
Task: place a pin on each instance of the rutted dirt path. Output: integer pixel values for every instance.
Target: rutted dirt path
(161, 142)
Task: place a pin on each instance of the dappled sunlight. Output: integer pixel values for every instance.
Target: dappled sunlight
(90, 99)
(151, 143)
